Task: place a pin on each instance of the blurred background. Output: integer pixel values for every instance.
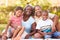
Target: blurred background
(7, 8)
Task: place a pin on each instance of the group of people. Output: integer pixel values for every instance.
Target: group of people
(32, 23)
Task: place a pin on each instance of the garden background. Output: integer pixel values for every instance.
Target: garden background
(7, 6)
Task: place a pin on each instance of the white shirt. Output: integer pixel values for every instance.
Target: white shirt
(43, 25)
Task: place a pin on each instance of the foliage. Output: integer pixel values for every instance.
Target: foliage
(4, 10)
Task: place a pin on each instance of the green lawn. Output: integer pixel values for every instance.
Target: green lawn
(2, 26)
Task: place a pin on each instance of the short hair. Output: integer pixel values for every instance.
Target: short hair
(46, 12)
(28, 6)
(32, 13)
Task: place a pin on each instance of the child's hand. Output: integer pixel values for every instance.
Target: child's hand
(27, 36)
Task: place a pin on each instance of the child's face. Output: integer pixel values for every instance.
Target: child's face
(18, 13)
(44, 15)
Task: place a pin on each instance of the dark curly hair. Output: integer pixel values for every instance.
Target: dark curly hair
(32, 11)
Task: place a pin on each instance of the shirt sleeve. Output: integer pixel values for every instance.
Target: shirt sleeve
(32, 20)
(50, 15)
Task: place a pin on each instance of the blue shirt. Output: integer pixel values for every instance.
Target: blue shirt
(27, 24)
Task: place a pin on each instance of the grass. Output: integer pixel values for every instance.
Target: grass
(2, 27)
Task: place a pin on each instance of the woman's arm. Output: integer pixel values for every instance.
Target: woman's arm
(55, 20)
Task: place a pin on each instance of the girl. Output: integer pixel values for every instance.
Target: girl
(15, 24)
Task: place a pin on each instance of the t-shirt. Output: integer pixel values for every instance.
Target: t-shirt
(16, 21)
(45, 26)
(27, 24)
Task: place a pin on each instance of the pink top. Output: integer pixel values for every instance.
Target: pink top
(16, 21)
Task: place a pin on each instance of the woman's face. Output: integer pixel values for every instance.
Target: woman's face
(38, 11)
(28, 10)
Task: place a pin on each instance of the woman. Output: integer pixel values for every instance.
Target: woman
(28, 21)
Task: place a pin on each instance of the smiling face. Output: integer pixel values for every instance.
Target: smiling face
(28, 10)
(18, 13)
(38, 8)
(38, 11)
(44, 15)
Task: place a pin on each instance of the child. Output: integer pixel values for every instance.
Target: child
(15, 24)
(45, 26)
